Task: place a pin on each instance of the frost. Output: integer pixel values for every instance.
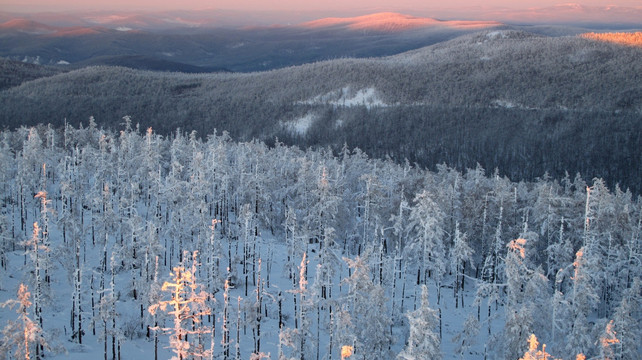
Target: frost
(498, 34)
(509, 104)
(348, 97)
(299, 126)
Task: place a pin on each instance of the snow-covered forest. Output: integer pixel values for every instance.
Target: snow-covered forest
(134, 245)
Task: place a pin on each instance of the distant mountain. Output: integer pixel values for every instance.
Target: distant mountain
(571, 14)
(27, 26)
(142, 62)
(394, 22)
(522, 103)
(248, 49)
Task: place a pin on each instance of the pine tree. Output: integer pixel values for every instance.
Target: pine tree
(583, 300)
(519, 316)
(534, 353)
(366, 305)
(460, 254)
(467, 337)
(627, 324)
(19, 337)
(187, 305)
(424, 341)
(426, 219)
(608, 340)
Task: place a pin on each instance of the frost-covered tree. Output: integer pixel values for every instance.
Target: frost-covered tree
(296, 338)
(186, 306)
(35, 249)
(608, 342)
(526, 297)
(23, 337)
(108, 315)
(370, 320)
(533, 352)
(467, 337)
(426, 221)
(423, 341)
(583, 299)
(460, 254)
(627, 324)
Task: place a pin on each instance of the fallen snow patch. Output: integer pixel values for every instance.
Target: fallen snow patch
(299, 126)
(505, 104)
(348, 97)
(498, 34)
(509, 104)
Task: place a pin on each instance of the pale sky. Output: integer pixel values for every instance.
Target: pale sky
(283, 5)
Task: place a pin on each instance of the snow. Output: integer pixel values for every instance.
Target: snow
(299, 126)
(508, 104)
(349, 97)
(498, 34)
(271, 249)
(305, 188)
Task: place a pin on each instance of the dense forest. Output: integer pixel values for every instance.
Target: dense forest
(219, 249)
(519, 102)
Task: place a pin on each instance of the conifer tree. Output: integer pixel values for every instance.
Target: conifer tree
(366, 306)
(461, 253)
(20, 337)
(424, 341)
(186, 306)
(426, 220)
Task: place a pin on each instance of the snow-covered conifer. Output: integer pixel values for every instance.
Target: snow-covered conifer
(187, 305)
(426, 221)
(424, 341)
(23, 337)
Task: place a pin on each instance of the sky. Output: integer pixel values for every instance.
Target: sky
(284, 5)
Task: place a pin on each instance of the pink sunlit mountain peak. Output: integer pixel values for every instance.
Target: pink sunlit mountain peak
(391, 22)
(27, 26)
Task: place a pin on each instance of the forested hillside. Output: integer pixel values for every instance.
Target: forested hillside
(137, 244)
(14, 73)
(511, 100)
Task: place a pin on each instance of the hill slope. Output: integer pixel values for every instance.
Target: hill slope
(525, 104)
(14, 73)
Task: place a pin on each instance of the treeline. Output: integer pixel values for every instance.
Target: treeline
(117, 211)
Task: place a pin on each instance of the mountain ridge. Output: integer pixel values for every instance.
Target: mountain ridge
(393, 22)
(520, 102)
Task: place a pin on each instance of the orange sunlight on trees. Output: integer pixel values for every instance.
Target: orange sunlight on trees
(346, 351)
(630, 39)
